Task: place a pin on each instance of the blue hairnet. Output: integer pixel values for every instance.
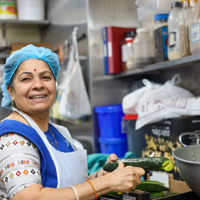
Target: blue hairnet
(17, 57)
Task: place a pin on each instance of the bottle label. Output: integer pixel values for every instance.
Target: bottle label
(195, 32)
(165, 40)
(172, 39)
(124, 53)
(175, 40)
(161, 43)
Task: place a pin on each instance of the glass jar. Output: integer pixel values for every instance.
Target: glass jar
(127, 50)
(143, 48)
(177, 31)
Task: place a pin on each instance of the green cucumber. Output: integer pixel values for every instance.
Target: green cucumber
(147, 163)
(151, 186)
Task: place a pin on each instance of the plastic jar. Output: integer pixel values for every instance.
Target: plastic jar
(161, 37)
(143, 48)
(33, 10)
(177, 31)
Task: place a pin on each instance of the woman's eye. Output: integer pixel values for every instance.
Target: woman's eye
(25, 79)
(46, 77)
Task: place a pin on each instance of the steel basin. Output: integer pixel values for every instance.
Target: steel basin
(188, 163)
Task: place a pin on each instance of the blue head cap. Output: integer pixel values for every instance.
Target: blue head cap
(17, 57)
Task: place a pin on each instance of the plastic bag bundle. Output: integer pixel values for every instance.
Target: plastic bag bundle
(155, 102)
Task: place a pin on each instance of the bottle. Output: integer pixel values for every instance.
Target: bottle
(143, 48)
(177, 45)
(192, 14)
(194, 30)
(161, 37)
(186, 15)
(193, 8)
(127, 50)
(186, 9)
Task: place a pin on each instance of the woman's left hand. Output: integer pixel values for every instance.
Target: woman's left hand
(101, 172)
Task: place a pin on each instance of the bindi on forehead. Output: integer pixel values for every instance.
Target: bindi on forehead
(34, 70)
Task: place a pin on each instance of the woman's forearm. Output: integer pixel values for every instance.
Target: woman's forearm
(84, 191)
(121, 180)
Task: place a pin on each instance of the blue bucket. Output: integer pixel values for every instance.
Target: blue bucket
(118, 146)
(111, 122)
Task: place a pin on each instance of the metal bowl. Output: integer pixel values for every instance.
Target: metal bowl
(188, 162)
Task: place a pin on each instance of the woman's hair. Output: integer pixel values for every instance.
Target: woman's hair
(17, 57)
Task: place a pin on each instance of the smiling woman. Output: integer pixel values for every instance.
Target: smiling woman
(31, 90)
(39, 159)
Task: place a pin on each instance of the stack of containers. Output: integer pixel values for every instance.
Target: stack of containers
(113, 137)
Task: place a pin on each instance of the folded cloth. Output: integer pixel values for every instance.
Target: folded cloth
(97, 160)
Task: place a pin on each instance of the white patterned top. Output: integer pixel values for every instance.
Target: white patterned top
(19, 165)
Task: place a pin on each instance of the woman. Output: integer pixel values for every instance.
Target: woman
(39, 159)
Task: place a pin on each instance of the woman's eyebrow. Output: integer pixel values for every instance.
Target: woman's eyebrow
(27, 73)
(30, 73)
(45, 72)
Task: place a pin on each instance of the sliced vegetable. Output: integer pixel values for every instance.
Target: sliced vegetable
(147, 163)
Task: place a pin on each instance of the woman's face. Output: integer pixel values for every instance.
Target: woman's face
(34, 87)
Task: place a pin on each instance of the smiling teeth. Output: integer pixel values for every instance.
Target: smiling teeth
(35, 97)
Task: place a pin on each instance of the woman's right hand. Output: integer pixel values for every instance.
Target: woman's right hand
(125, 179)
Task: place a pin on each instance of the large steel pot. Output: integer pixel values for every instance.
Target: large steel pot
(188, 163)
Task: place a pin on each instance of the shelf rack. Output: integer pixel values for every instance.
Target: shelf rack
(157, 67)
(3, 23)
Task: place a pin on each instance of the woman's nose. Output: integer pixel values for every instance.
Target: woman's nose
(37, 84)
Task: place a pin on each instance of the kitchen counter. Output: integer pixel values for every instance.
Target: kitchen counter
(146, 196)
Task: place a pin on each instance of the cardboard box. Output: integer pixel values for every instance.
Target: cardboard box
(16, 46)
(161, 137)
(176, 186)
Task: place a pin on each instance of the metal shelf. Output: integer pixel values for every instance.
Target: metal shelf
(4, 22)
(157, 67)
(16, 21)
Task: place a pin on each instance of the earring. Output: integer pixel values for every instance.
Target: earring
(13, 103)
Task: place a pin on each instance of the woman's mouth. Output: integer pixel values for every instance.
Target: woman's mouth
(38, 96)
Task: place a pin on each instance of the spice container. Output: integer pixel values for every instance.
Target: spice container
(161, 37)
(143, 48)
(127, 50)
(177, 31)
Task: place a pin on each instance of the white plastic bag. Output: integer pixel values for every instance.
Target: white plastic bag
(74, 102)
(155, 102)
